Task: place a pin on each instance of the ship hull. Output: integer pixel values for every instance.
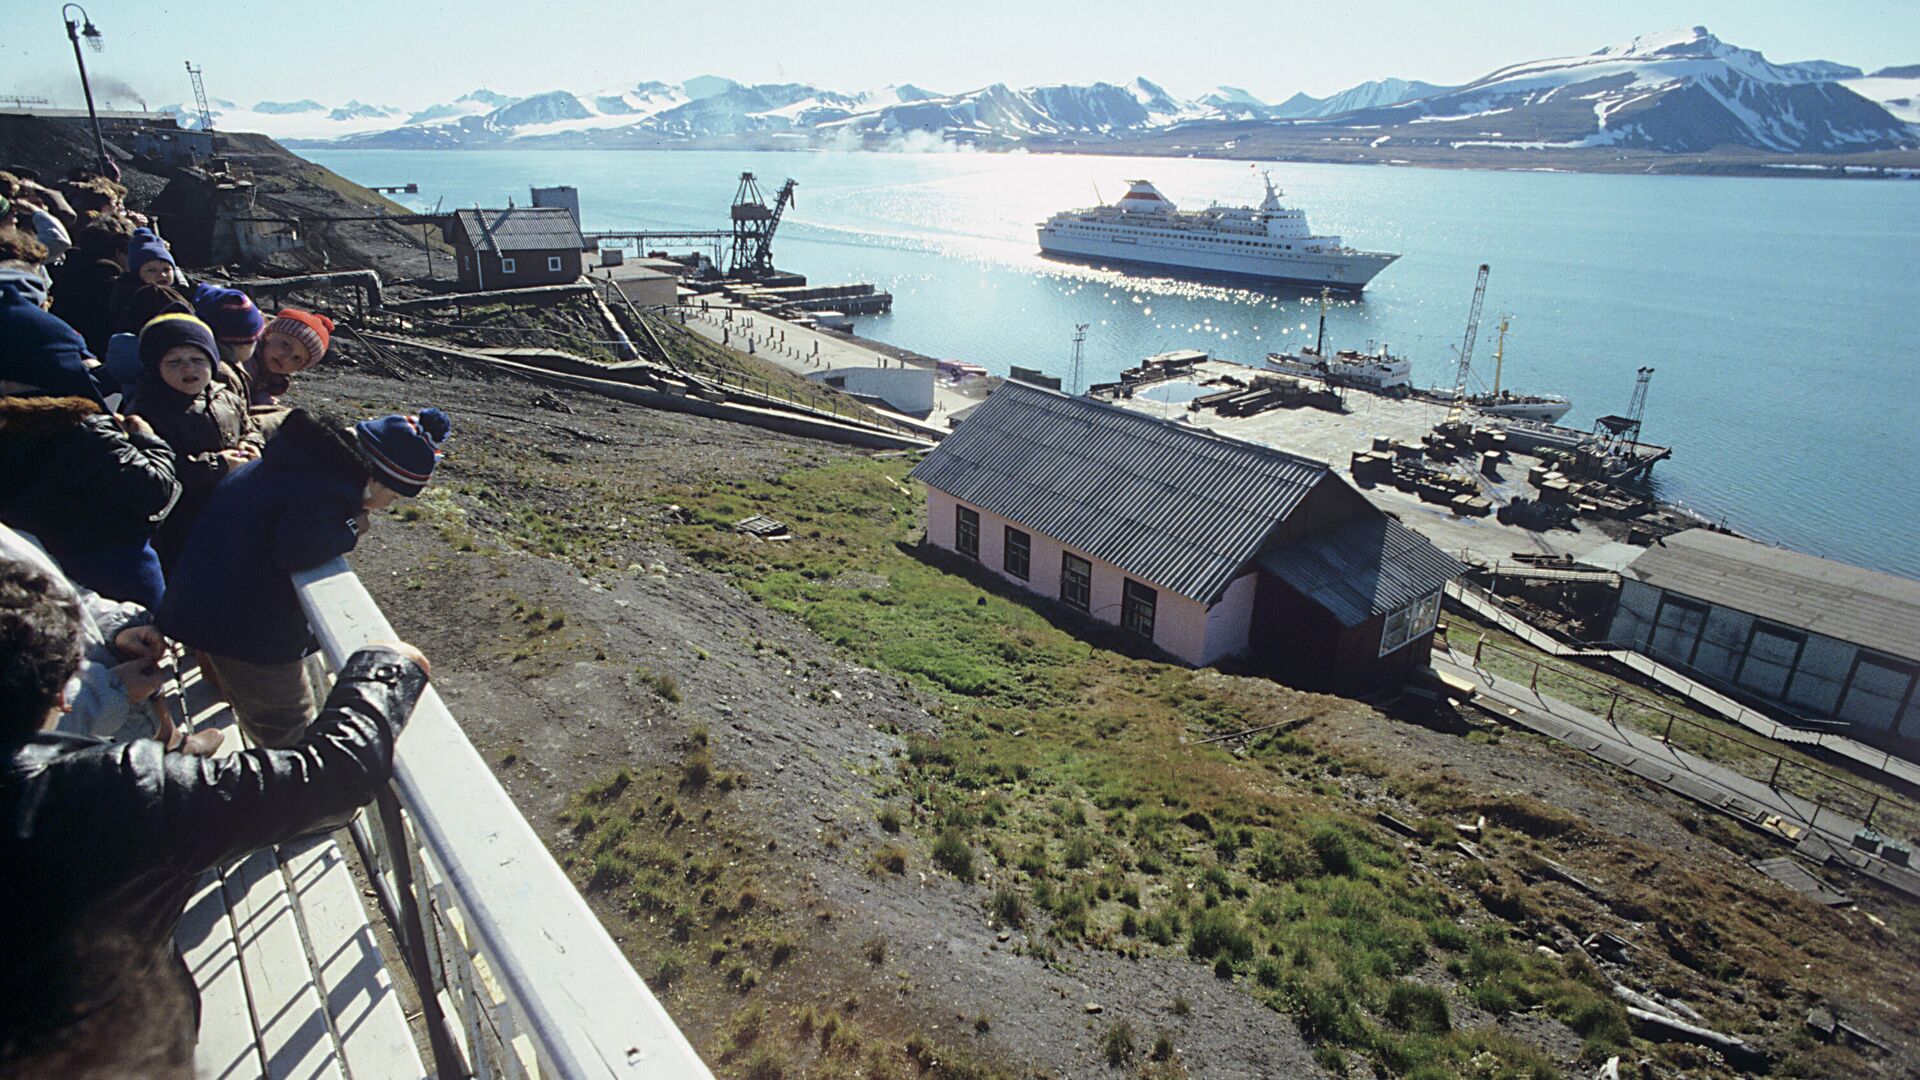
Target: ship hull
(1547, 412)
(1349, 272)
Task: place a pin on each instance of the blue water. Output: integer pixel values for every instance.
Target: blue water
(1781, 316)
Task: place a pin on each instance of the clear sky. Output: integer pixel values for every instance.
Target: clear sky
(411, 54)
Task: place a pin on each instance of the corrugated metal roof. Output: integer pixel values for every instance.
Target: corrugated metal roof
(1365, 567)
(1177, 507)
(1845, 602)
(521, 228)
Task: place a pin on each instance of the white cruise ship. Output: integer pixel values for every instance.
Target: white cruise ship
(1270, 242)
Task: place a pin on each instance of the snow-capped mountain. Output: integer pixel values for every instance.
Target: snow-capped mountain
(1683, 91)
(1367, 95)
(1895, 89)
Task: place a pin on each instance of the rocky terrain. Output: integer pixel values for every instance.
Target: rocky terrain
(835, 853)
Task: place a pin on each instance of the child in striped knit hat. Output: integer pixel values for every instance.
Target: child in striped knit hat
(293, 342)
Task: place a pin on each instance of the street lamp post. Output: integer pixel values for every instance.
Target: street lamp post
(76, 31)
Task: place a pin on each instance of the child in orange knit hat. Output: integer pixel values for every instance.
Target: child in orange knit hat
(293, 342)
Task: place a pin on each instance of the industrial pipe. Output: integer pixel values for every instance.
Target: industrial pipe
(366, 281)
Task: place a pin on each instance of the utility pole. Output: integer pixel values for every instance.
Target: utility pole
(1079, 350)
(75, 31)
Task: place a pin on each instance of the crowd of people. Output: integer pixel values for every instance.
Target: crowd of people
(155, 497)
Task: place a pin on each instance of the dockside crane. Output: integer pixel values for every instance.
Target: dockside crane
(754, 223)
(1457, 412)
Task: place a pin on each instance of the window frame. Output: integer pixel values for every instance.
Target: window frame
(1410, 623)
(1775, 630)
(1084, 578)
(966, 531)
(1134, 596)
(1025, 548)
(553, 264)
(508, 264)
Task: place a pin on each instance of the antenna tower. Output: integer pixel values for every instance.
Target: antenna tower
(1079, 353)
(1459, 408)
(200, 97)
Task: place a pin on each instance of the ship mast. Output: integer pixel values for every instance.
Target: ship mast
(1320, 340)
(1500, 352)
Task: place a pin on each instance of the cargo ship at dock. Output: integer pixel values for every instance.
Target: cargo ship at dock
(1270, 242)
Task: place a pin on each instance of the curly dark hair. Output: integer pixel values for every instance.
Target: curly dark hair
(39, 646)
(16, 244)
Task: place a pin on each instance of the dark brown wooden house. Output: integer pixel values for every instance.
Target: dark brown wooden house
(515, 247)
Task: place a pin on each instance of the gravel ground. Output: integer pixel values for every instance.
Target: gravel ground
(812, 759)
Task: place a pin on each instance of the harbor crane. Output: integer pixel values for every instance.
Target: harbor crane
(200, 97)
(754, 223)
(1621, 434)
(1457, 412)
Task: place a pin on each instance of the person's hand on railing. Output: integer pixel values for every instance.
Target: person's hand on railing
(407, 651)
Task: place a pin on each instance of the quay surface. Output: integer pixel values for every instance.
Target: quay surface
(807, 352)
(1334, 437)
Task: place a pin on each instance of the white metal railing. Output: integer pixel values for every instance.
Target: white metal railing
(531, 982)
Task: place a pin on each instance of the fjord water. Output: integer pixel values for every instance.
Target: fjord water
(1782, 316)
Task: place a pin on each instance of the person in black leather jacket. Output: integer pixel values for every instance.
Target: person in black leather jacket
(103, 843)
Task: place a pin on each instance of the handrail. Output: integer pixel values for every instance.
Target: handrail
(567, 987)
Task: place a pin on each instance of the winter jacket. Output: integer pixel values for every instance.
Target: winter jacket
(83, 299)
(38, 352)
(96, 698)
(70, 476)
(293, 509)
(197, 427)
(105, 842)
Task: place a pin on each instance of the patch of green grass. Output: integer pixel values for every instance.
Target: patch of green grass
(1067, 756)
(952, 854)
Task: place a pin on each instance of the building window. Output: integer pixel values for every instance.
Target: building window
(1773, 652)
(1409, 623)
(1677, 624)
(1137, 602)
(966, 532)
(506, 265)
(553, 264)
(1877, 691)
(1076, 581)
(1018, 553)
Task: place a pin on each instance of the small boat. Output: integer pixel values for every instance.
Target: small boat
(1540, 408)
(1379, 370)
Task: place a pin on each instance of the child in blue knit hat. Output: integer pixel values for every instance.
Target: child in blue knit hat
(304, 502)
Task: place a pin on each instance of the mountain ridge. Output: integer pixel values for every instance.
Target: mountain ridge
(1681, 91)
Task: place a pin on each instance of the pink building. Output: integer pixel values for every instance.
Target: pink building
(1208, 547)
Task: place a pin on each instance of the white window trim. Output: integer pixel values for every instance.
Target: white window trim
(553, 264)
(1410, 623)
(506, 265)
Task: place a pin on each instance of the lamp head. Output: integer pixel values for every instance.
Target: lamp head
(95, 40)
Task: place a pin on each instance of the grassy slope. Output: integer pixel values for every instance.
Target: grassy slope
(1069, 773)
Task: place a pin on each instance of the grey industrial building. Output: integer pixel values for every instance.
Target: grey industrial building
(1817, 639)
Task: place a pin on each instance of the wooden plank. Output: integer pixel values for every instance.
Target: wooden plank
(228, 1048)
(287, 1009)
(353, 976)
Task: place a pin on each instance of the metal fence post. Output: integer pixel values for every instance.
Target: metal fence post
(1667, 735)
(1534, 685)
(1775, 775)
(1876, 805)
(1477, 646)
(1611, 704)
